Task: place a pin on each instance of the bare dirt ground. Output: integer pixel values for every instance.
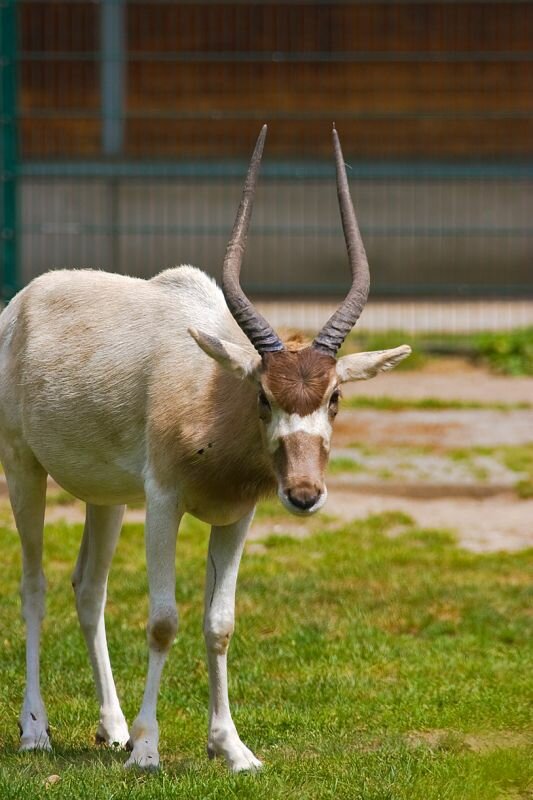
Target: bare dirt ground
(404, 460)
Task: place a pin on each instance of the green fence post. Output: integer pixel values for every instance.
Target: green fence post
(9, 279)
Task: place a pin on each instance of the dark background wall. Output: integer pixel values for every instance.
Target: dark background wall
(134, 122)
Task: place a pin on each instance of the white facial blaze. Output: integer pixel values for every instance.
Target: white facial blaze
(283, 424)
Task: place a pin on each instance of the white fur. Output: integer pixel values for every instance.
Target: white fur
(283, 424)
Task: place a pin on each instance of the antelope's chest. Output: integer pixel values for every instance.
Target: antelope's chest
(222, 494)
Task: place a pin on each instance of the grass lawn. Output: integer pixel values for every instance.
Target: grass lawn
(365, 666)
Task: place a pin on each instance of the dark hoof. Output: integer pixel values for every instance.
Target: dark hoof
(99, 739)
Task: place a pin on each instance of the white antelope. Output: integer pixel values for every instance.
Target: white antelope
(180, 393)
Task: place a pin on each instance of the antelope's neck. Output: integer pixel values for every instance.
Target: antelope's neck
(215, 452)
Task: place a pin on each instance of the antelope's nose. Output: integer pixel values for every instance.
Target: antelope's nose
(304, 498)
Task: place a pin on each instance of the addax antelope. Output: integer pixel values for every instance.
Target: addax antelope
(181, 393)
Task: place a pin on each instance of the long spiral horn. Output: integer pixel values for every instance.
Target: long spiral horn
(342, 321)
(257, 329)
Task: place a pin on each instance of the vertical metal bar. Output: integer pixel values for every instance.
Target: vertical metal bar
(112, 74)
(9, 278)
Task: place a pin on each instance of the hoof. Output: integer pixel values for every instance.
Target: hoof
(34, 736)
(147, 761)
(113, 735)
(238, 757)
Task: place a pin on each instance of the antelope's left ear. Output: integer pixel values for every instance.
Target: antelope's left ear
(360, 366)
(243, 362)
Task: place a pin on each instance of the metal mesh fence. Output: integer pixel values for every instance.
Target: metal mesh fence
(127, 126)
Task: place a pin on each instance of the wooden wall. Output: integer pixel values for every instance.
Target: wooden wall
(401, 80)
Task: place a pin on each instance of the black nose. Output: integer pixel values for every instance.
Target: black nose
(303, 499)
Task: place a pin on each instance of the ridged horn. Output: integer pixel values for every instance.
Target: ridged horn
(252, 323)
(342, 321)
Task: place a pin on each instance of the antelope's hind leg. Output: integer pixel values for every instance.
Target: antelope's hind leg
(26, 481)
(162, 522)
(89, 581)
(225, 550)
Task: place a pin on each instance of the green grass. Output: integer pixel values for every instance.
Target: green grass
(508, 352)
(343, 464)
(59, 497)
(385, 403)
(520, 459)
(360, 666)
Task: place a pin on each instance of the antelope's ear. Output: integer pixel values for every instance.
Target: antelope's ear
(241, 361)
(361, 366)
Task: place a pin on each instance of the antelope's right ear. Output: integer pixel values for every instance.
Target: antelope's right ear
(361, 366)
(233, 357)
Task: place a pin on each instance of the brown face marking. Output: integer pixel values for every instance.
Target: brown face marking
(298, 379)
(300, 461)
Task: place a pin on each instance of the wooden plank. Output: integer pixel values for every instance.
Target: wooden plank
(358, 26)
(412, 138)
(64, 27)
(326, 88)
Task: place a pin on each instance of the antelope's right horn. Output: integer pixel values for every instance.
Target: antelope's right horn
(344, 318)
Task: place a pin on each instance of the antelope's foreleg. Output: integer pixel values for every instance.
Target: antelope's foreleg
(225, 550)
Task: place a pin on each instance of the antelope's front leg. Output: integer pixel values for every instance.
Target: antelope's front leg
(225, 550)
(162, 521)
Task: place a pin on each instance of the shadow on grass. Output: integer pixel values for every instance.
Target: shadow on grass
(92, 756)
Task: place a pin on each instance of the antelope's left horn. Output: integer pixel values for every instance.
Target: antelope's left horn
(257, 329)
(342, 321)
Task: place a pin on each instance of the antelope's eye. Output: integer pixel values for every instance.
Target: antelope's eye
(334, 399)
(263, 401)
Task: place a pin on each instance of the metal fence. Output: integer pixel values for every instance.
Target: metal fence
(126, 129)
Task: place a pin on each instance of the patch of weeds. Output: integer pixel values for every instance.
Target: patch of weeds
(365, 449)
(507, 352)
(524, 489)
(362, 342)
(510, 352)
(343, 464)
(520, 459)
(460, 454)
(384, 403)
(270, 509)
(276, 540)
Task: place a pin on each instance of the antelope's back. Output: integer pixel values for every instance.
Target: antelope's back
(82, 352)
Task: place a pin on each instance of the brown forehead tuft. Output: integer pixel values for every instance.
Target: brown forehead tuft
(298, 379)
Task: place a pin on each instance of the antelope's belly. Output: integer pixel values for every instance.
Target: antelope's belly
(99, 466)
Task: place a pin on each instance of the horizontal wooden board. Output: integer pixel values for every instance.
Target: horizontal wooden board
(333, 26)
(298, 88)
(425, 85)
(284, 27)
(412, 138)
(289, 88)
